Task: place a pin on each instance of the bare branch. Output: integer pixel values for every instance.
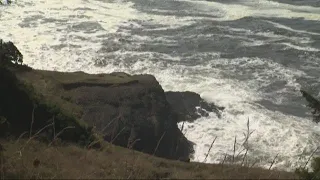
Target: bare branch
(234, 148)
(273, 161)
(310, 157)
(205, 159)
(158, 143)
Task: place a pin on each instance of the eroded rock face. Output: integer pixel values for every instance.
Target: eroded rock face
(133, 114)
(190, 105)
(130, 111)
(23, 110)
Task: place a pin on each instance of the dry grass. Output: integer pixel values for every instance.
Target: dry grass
(29, 158)
(38, 160)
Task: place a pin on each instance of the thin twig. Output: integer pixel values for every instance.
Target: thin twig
(103, 134)
(134, 160)
(158, 143)
(177, 146)
(36, 134)
(55, 137)
(244, 157)
(205, 159)
(1, 162)
(54, 128)
(240, 153)
(182, 126)
(21, 136)
(32, 121)
(117, 135)
(247, 135)
(234, 147)
(40, 131)
(224, 159)
(273, 161)
(105, 127)
(130, 146)
(310, 157)
(93, 143)
(254, 163)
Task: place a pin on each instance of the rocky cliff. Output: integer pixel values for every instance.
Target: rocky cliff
(127, 110)
(130, 111)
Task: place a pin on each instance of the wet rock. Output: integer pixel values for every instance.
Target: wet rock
(314, 104)
(190, 106)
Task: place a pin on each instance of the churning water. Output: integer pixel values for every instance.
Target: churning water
(250, 56)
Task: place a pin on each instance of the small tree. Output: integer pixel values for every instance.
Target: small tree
(9, 53)
(8, 2)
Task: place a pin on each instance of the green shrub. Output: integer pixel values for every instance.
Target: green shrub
(8, 2)
(304, 173)
(22, 109)
(314, 174)
(9, 53)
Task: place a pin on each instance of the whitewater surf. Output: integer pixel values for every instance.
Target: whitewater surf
(250, 56)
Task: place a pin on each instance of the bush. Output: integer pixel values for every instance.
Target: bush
(9, 53)
(304, 173)
(8, 2)
(314, 174)
(22, 109)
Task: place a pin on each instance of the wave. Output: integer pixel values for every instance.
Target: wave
(97, 36)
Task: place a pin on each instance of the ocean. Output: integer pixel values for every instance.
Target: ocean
(250, 56)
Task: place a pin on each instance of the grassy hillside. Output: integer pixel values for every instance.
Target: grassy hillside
(33, 159)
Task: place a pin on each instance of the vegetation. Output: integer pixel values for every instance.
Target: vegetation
(43, 137)
(20, 101)
(123, 108)
(9, 53)
(31, 159)
(8, 2)
(314, 174)
(304, 172)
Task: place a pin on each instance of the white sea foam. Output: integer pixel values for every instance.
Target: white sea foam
(51, 39)
(278, 25)
(274, 132)
(270, 36)
(35, 38)
(311, 49)
(262, 8)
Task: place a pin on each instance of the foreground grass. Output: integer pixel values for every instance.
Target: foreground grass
(33, 159)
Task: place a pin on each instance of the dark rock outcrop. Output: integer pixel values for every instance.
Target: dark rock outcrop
(314, 104)
(23, 110)
(130, 111)
(190, 105)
